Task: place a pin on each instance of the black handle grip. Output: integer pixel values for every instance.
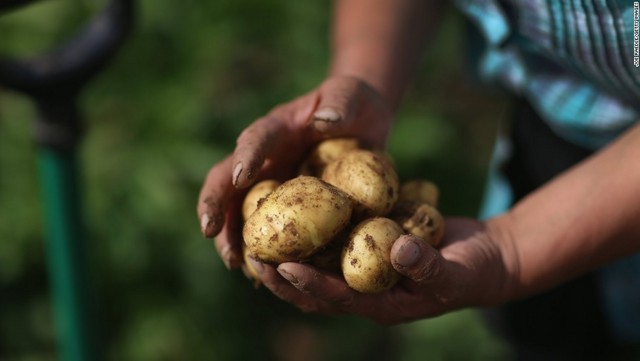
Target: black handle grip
(66, 69)
(54, 80)
(6, 5)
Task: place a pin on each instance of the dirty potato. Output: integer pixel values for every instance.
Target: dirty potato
(259, 191)
(368, 178)
(366, 263)
(420, 219)
(297, 219)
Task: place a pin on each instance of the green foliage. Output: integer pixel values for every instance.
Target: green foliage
(190, 78)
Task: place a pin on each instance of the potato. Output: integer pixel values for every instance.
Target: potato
(248, 269)
(327, 151)
(259, 191)
(366, 263)
(418, 190)
(368, 178)
(420, 219)
(296, 220)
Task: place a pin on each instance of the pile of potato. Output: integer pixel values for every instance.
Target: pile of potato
(342, 213)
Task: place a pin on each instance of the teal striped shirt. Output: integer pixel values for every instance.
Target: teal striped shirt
(576, 63)
(572, 59)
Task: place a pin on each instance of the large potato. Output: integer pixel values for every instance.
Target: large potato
(420, 219)
(366, 263)
(327, 151)
(296, 220)
(368, 178)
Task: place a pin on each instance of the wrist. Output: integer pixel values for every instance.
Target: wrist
(381, 41)
(507, 285)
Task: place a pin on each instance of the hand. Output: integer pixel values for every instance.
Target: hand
(469, 270)
(273, 147)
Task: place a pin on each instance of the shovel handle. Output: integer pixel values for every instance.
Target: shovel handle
(64, 70)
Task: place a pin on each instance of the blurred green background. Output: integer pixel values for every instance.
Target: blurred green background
(190, 78)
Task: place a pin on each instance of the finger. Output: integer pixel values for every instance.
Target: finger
(329, 287)
(417, 260)
(349, 105)
(229, 241)
(337, 106)
(284, 290)
(214, 194)
(386, 308)
(252, 148)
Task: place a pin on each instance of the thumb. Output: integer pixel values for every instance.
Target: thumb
(337, 105)
(417, 260)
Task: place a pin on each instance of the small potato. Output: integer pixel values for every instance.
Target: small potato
(368, 178)
(366, 263)
(259, 191)
(248, 269)
(418, 190)
(326, 152)
(296, 220)
(420, 219)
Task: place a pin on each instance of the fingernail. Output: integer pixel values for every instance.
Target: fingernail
(226, 255)
(288, 276)
(257, 266)
(408, 254)
(327, 115)
(236, 173)
(205, 221)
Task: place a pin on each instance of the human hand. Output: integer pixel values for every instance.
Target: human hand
(471, 268)
(274, 145)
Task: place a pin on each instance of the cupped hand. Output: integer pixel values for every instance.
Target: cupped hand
(470, 269)
(274, 145)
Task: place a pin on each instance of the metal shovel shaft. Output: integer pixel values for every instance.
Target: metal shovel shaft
(67, 253)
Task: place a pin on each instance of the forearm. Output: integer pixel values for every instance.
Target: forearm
(380, 41)
(583, 219)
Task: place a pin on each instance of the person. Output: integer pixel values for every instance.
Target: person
(563, 201)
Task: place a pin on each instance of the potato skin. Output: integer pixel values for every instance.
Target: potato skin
(259, 191)
(368, 178)
(418, 190)
(296, 220)
(366, 263)
(420, 219)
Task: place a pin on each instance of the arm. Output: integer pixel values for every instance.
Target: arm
(585, 218)
(380, 41)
